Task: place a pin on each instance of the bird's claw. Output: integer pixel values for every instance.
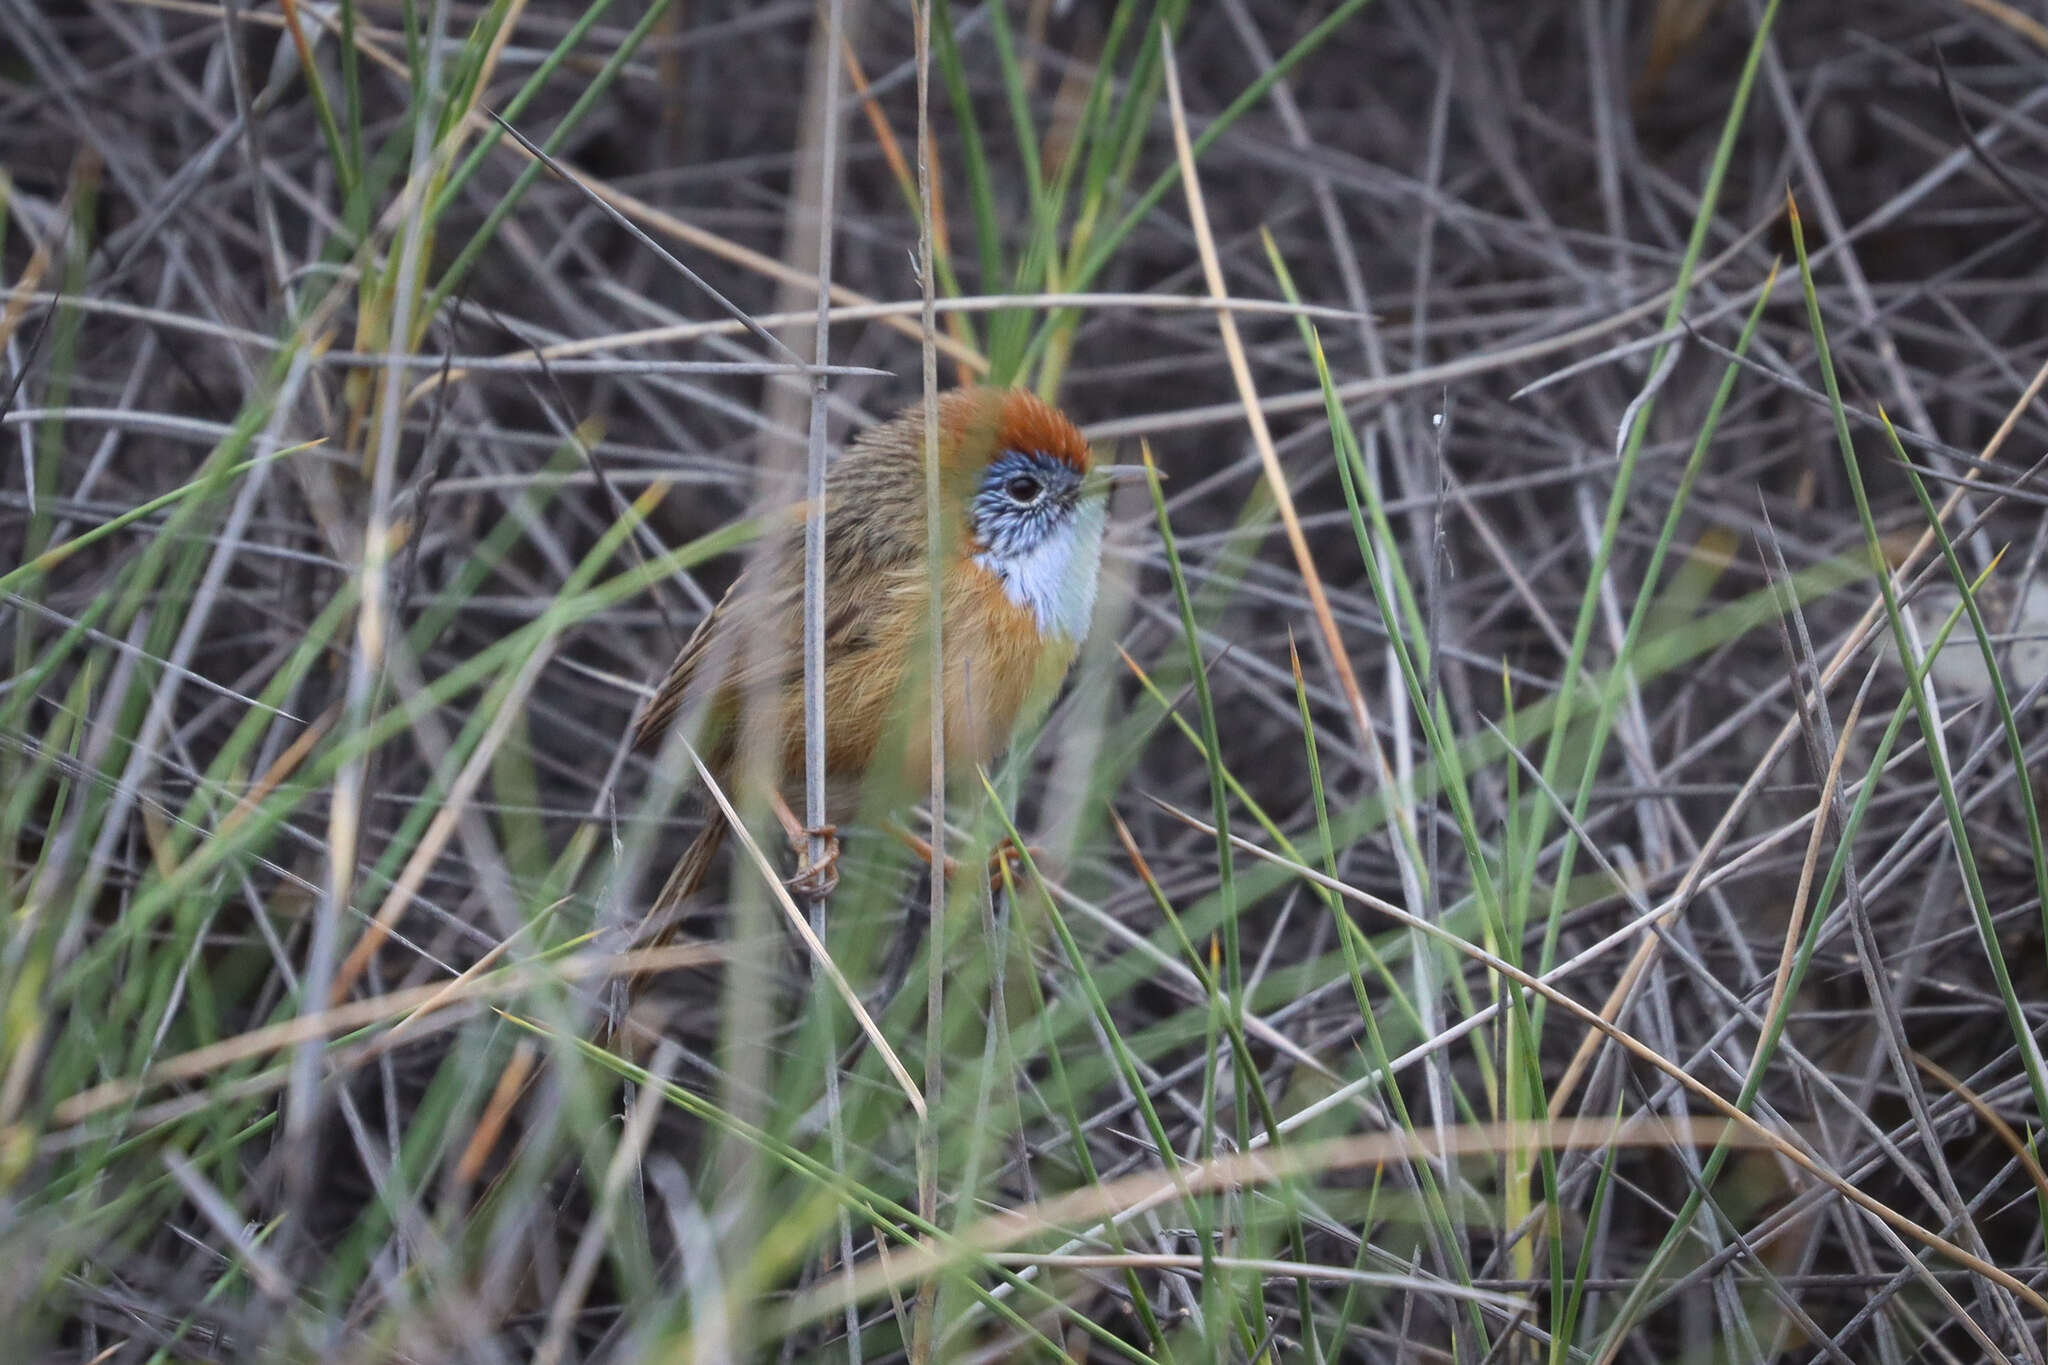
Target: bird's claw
(1005, 855)
(1009, 861)
(1008, 856)
(815, 881)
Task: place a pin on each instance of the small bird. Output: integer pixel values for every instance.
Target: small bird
(1024, 507)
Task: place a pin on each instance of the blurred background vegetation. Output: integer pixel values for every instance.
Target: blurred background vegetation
(1540, 859)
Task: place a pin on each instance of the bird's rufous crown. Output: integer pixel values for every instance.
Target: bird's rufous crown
(982, 423)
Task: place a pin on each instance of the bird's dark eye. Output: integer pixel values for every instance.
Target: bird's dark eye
(1022, 488)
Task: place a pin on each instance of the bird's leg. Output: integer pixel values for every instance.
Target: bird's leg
(925, 852)
(1006, 853)
(813, 881)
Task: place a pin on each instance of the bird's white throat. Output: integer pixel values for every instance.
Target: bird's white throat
(1055, 577)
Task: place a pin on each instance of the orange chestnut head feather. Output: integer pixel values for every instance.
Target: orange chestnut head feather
(1030, 498)
(977, 425)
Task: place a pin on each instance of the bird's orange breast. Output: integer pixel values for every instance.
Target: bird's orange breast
(1000, 673)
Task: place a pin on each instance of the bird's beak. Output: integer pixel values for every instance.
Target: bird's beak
(1104, 478)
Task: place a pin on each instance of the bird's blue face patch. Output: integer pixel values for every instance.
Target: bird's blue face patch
(1040, 532)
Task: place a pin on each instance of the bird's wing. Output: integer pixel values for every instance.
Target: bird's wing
(753, 637)
(668, 699)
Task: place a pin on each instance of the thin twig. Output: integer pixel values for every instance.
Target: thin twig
(923, 1314)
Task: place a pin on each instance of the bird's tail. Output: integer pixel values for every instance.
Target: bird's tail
(664, 917)
(691, 869)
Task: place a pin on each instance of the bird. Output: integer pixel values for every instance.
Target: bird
(1023, 509)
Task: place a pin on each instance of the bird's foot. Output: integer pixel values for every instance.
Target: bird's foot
(1012, 859)
(815, 881)
(1007, 857)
